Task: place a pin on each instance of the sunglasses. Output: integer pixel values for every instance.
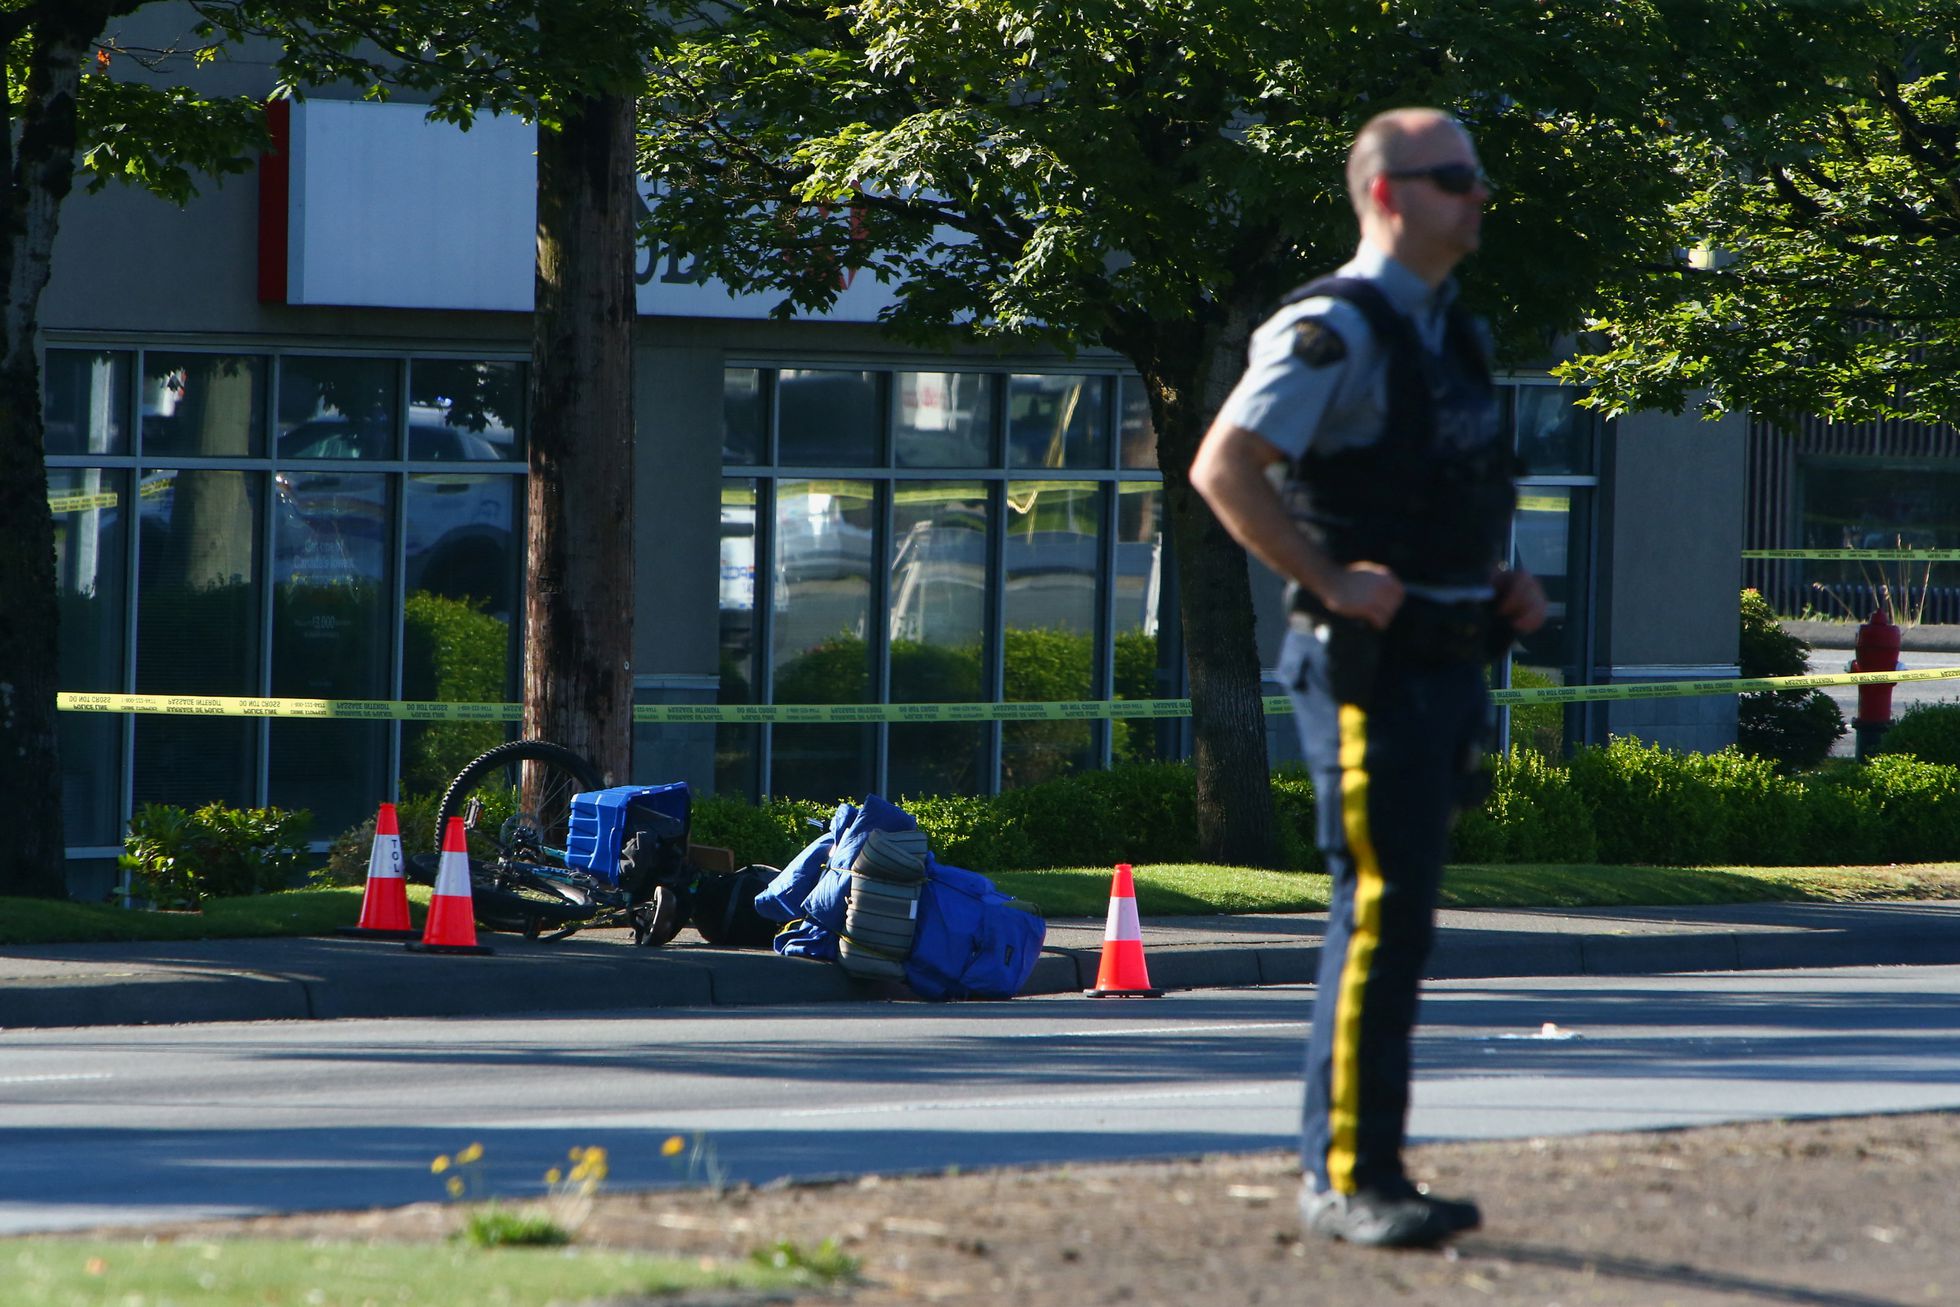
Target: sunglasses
(1449, 178)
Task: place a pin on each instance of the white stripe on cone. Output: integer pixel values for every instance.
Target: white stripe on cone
(385, 859)
(453, 872)
(1123, 922)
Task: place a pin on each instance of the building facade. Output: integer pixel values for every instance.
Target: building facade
(286, 438)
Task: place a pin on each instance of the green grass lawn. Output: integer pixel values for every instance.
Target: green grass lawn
(1170, 889)
(251, 1273)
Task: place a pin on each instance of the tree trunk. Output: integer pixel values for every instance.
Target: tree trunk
(578, 677)
(1228, 721)
(39, 172)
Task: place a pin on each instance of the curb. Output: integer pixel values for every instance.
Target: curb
(318, 978)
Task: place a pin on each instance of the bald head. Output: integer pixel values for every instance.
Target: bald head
(1395, 139)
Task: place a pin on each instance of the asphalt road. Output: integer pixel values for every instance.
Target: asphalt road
(129, 1124)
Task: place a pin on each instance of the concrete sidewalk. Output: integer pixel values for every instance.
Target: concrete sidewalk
(327, 977)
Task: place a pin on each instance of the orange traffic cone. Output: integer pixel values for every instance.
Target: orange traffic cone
(1123, 974)
(451, 925)
(384, 907)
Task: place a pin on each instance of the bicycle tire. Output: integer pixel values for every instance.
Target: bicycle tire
(538, 820)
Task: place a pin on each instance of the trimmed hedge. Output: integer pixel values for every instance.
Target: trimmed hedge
(1927, 731)
(1626, 803)
(1629, 802)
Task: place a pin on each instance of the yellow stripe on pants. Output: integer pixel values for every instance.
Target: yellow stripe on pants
(1364, 935)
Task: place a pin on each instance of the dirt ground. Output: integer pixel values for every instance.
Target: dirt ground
(1851, 1212)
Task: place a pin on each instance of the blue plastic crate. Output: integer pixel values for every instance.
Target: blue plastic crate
(598, 823)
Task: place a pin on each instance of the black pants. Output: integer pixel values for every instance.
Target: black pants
(1388, 776)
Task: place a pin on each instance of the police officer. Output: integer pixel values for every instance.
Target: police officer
(1373, 389)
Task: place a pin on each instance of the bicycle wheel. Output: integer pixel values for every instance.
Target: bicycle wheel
(516, 804)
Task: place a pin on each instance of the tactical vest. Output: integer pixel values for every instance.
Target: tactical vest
(1432, 499)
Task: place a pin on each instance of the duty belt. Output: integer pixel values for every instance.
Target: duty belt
(1424, 632)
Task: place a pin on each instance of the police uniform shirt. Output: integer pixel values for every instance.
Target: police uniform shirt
(1316, 377)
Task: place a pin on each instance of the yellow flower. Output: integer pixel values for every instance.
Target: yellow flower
(470, 1154)
(455, 1186)
(575, 1154)
(440, 1165)
(553, 1176)
(672, 1146)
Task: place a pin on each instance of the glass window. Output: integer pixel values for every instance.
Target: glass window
(203, 405)
(744, 415)
(823, 553)
(463, 560)
(1054, 534)
(330, 640)
(466, 411)
(1057, 422)
(85, 401)
(197, 632)
(1550, 535)
(1137, 433)
(941, 534)
(338, 407)
(945, 419)
(1139, 594)
(91, 561)
(1554, 433)
(737, 752)
(828, 419)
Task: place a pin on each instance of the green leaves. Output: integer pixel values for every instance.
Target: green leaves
(1827, 221)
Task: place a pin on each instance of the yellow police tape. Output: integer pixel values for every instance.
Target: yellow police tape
(1861, 555)
(800, 714)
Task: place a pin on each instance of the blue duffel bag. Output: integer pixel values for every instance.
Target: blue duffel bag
(971, 941)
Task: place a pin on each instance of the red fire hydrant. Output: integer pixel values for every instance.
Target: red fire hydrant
(1875, 650)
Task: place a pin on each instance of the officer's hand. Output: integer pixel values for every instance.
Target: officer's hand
(1367, 591)
(1520, 600)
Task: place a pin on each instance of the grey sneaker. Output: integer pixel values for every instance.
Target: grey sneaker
(1405, 1219)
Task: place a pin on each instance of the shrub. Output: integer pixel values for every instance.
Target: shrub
(1929, 732)
(770, 834)
(972, 831)
(1537, 726)
(1840, 815)
(1646, 806)
(1794, 729)
(1293, 816)
(1917, 808)
(1764, 822)
(181, 858)
(1136, 813)
(1533, 814)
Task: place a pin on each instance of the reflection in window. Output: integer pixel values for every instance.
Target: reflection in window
(1057, 422)
(937, 625)
(466, 411)
(463, 556)
(828, 418)
(338, 407)
(1139, 589)
(85, 401)
(1136, 432)
(944, 419)
(197, 632)
(203, 405)
(744, 415)
(822, 556)
(1554, 433)
(737, 755)
(1549, 534)
(1054, 534)
(330, 640)
(91, 511)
